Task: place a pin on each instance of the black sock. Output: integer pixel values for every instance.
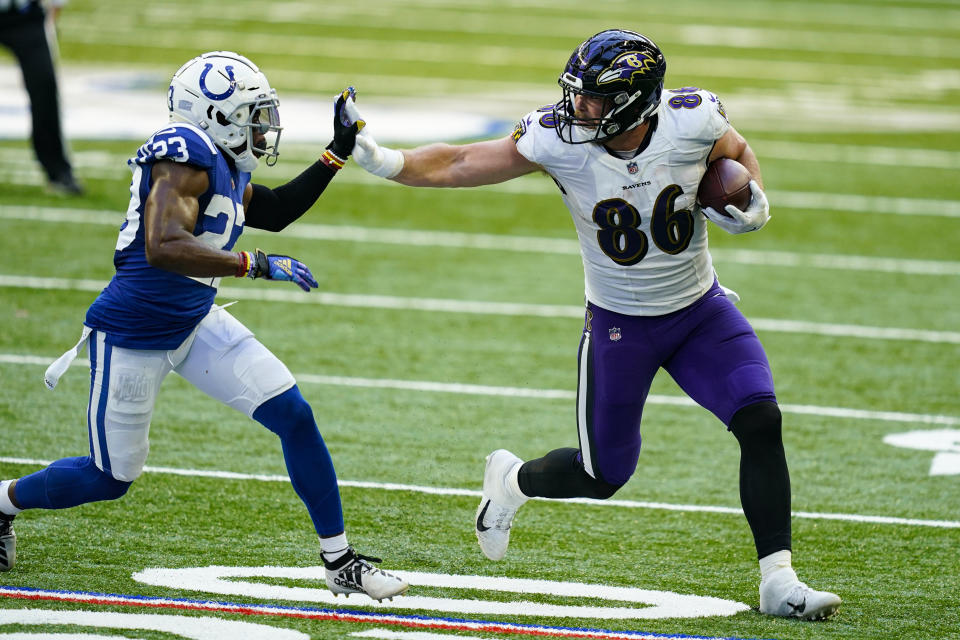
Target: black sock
(764, 478)
(560, 474)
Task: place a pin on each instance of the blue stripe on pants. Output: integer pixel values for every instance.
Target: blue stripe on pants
(98, 430)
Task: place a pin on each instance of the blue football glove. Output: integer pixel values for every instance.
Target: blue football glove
(277, 267)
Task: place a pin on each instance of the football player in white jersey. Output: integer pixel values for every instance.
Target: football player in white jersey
(627, 158)
(191, 198)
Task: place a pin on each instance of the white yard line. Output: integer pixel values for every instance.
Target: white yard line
(298, 153)
(521, 244)
(450, 491)
(688, 24)
(855, 154)
(446, 305)
(14, 172)
(546, 394)
(17, 166)
(426, 386)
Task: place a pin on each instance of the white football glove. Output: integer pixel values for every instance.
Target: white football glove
(380, 161)
(756, 215)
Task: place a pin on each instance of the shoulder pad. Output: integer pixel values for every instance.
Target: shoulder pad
(696, 114)
(542, 118)
(180, 142)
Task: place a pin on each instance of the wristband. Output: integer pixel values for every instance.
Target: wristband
(390, 165)
(244, 260)
(332, 160)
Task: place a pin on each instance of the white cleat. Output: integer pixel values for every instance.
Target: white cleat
(497, 506)
(8, 543)
(794, 599)
(354, 573)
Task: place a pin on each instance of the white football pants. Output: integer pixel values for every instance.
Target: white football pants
(221, 357)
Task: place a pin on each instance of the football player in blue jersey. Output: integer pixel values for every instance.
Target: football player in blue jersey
(191, 198)
(627, 157)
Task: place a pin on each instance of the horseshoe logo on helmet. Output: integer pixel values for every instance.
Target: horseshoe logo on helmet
(217, 96)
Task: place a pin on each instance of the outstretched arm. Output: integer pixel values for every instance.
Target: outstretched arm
(274, 209)
(441, 164)
(468, 165)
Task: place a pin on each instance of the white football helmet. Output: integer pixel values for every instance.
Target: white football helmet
(227, 96)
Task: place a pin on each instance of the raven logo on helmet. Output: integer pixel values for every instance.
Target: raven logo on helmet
(626, 66)
(623, 69)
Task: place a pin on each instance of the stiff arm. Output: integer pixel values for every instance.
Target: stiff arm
(468, 165)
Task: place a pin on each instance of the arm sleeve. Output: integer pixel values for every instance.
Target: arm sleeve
(273, 209)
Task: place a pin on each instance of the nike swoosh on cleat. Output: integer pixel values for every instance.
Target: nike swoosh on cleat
(480, 517)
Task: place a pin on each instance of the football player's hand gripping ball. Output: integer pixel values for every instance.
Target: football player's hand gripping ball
(345, 128)
(277, 267)
(752, 218)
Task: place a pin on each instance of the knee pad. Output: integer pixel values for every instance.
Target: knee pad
(67, 483)
(560, 474)
(601, 490)
(286, 414)
(94, 483)
(758, 423)
(107, 487)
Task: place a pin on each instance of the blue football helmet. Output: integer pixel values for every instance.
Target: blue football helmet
(623, 68)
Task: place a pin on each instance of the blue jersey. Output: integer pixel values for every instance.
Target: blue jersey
(144, 307)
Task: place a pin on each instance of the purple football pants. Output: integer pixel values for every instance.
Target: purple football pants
(708, 348)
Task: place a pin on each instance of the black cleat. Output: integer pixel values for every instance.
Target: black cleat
(8, 543)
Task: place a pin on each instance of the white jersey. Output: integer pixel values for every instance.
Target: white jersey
(642, 237)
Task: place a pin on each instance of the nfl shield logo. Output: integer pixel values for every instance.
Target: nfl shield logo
(632, 167)
(615, 334)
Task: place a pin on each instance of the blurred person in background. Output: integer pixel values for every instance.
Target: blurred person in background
(27, 30)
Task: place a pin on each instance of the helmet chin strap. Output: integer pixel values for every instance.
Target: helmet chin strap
(245, 160)
(247, 163)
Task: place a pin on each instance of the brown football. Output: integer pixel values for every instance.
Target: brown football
(725, 182)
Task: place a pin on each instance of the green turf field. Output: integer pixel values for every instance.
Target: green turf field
(447, 324)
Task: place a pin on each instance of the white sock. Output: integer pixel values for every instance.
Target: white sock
(778, 565)
(6, 506)
(512, 484)
(334, 547)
